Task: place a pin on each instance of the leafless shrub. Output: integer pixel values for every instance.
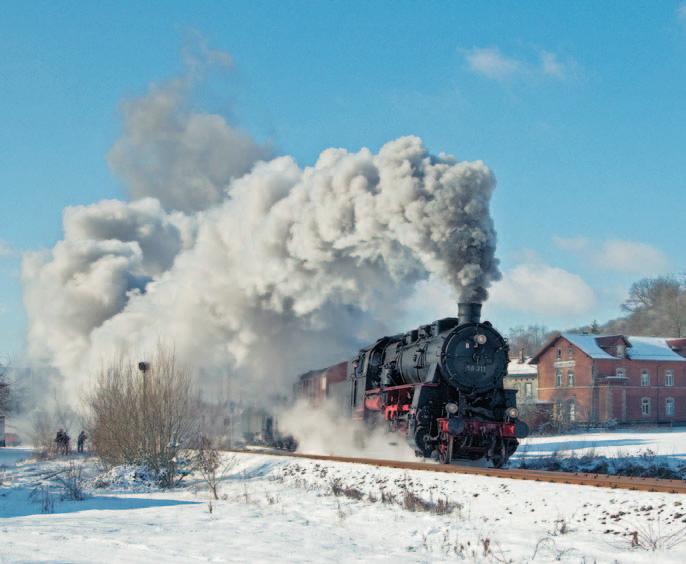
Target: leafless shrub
(272, 499)
(72, 483)
(387, 498)
(43, 435)
(444, 507)
(651, 538)
(210, 507)
(207, 461)
(561, 526)
(143, 417)
(412, 502)
(338, 489)
(548, 544)
(41, 495)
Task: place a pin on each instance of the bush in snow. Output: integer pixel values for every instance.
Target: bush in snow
(207, 461)
(41, 494)
(72, 483)
(143, 416)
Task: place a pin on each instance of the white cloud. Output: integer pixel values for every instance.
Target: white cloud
(571, 244)
(5, 249)
(617, 254)
(631, 256)
(538, 288)
(492, 63)
(551, 66)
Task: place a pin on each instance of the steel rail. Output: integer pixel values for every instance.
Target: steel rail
(574, 478)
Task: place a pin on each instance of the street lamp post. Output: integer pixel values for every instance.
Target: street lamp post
(144, 367)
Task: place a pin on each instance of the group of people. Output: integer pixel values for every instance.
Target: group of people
(63, 439)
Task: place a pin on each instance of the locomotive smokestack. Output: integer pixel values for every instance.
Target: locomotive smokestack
(469, 312)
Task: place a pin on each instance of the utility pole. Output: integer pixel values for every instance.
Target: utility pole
(144, 367)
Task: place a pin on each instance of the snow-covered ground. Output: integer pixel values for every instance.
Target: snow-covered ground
(285, 509)
(622, 442)
(649, 452)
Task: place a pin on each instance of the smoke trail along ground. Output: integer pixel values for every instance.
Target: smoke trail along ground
(285, 269)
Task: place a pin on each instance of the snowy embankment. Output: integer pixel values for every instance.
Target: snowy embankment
(657, 453)
(285, 509)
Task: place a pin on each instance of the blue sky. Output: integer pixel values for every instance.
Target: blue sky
(578, 107)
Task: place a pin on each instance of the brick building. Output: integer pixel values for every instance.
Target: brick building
(598, 378)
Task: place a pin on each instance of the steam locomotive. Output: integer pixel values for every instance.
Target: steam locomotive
(439, 386)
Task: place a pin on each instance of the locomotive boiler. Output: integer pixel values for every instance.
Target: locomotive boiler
(440, 386)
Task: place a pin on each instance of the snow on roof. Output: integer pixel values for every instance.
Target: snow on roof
(652, 348)
(517, 367)
(588, 344)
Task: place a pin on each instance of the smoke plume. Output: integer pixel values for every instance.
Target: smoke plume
(284, 269)
(184, 159)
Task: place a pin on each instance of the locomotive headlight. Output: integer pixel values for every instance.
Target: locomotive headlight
(451, 407)
(512, 412)
(480, 339)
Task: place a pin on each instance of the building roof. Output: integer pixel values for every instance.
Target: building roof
(652, 348)
(588, 344)
(521, 368)
(639, 348)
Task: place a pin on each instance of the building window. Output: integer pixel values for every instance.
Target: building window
(528, 390)
(558, 378)
(645, 406)
(559, 354)
(620, 373)
(571, 406)
(621, 349)
(669, 407)
(645, 378)
(570, 353)
(669, 377)
(570, 378)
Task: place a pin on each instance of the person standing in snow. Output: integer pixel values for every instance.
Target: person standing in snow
(80, 441)
(59, 441)
(66, 438)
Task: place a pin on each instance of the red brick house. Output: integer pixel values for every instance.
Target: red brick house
(598, 378)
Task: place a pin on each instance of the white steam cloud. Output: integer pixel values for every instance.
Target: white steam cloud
(284, 269)
(184, 159)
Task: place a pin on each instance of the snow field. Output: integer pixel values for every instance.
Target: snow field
(666, 443)
(284, 509)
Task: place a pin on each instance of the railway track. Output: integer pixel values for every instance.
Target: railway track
(576, 478)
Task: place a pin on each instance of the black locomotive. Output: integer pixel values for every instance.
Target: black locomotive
(441, 386)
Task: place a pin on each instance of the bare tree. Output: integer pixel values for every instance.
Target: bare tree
(207, 461)
(655, 306)
(43, 433)
(528, 339)
(143, 416)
